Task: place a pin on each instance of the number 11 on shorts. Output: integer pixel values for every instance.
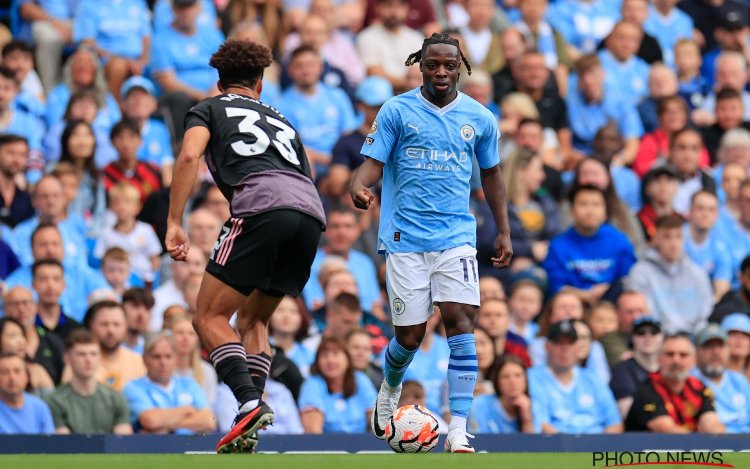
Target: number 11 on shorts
(465, 263)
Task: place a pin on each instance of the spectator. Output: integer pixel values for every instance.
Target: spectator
(161, 402)
(189, 361)
(341, 233)
(541, 36)
(49, 200)
(146, 177)
(48, 283)
(493, 316)
(120, 33)
(83, 405)
(137, 303)
(15, 203)
(737, 327)
(585, 342)
(729, 112)
(18, 56)
(139, 104)
(662, 83)
(570, 399)
(481, 44)
(288, 327)
(733, 150)
(486, 355)
(383, 45)
(631, 305)
(490, 288)
(163, 14)
(655, 146)
(514, 108)
(705, 246)
(592, 257)
(628, 374)
(116, 271)
(525, 303)
(80, 280)
(267, 15)
(319, 112)
(135, 237)
(677, 289)
(593, 107)
(736, 233)
(685, 151)
(119, 365)
(706, 16)
(524, 173)
(731, 390)
(731, 36)
(180, 62)
(736, 300)
(668, 25)
(345, 155)
(670, 400)
(626, 73)
(602, 320)
(731, 72)
(359, 346)
(413, 393)
(170, 292)
(16, 121)
(78, 146)
(83, 72)
(583, 23)
(20, 413)
(659, 189)
(342, 315)
(732, 177)
(13, 340)
(692, 86)
(44, 347)
(508, 409)
(334, 382)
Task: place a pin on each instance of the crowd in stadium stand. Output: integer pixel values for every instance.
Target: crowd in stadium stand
(626, 156)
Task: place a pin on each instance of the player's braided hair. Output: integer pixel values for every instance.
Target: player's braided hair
(241, 62)
(437, 38)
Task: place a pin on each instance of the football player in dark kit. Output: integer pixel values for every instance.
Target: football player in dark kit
(266, 248)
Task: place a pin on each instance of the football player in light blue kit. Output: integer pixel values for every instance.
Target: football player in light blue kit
(422, 143)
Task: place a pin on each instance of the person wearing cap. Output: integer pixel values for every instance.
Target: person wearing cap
(647, 339)
(678, 290)
(179, 62)
(346, 156)
(659, 187)
(570, 399)
(731, 34)
(670, 400)
(737, 327)
(139, 104)
(707, 14)
(731, 390)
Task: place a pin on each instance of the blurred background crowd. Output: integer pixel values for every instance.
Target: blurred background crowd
(626, 154)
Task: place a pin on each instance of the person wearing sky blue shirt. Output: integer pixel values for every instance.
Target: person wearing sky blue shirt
(320, 113)
(592, 257)
(731, 390)
(15, 121)
(163, 403)
(668, 24)
(180, 60)
(583, 23)
(335, 398)
(625, 73)
(704, 243)
(20, 413)
(423, 143)
(594, 106)
(570, 399)
(164, 15)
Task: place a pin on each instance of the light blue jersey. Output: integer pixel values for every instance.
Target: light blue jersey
(164, 15)
(156, 147)
(428, 153)
(713, 255)
(586, 405)
(584, 24)
(340, 414)
(117, 26)
(143, 394)
(668, 30)
(731, 399)
(187, 56)
(73, 232)
(34, 417)
(489, 416)
(628, 79)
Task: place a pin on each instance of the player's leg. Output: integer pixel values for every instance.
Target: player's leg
(252, 323)
(408, 285)
(456, 290)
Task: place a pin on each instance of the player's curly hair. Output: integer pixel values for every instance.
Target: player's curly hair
(437, 38)
(241, 62)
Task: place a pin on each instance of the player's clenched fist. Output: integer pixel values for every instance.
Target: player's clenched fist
(177, 243)
(361, 196)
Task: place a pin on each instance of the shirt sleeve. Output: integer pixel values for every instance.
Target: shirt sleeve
(384, 133)
(138, 400)
(487, 152)
(160, 61)
(122, 413)
(199, 115)
(312, 395)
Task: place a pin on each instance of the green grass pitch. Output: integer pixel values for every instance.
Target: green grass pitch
(315, 461)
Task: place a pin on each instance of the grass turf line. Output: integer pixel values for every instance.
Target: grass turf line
(314, 461)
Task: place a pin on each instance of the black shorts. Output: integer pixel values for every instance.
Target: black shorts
(272, 252)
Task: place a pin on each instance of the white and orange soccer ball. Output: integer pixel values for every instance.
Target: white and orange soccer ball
(412, 429)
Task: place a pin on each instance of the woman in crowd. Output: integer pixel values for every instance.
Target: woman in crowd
(13, 340)
(189, 361)
(486, 355)
(287, 329)
(359, 346)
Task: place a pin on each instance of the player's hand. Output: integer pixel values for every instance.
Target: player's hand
(362, 197)
(503, 250)
(177, 243)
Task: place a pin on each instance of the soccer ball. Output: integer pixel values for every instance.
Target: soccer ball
(412, 429)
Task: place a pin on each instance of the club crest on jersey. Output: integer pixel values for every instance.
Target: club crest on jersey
(467, 132)
(374, 127)
(398, 306)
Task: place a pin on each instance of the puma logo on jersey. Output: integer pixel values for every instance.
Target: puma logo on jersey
(412, 126)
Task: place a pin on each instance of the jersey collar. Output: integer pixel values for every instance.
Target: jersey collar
(438, 110)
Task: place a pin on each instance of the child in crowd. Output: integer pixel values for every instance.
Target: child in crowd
(117, 270)
(692, 86)
(602, 319)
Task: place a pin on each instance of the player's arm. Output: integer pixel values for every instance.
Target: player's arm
(183, 179)
(494, 191)
(365, 177)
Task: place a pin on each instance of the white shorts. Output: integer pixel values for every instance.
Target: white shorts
(417, 280)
